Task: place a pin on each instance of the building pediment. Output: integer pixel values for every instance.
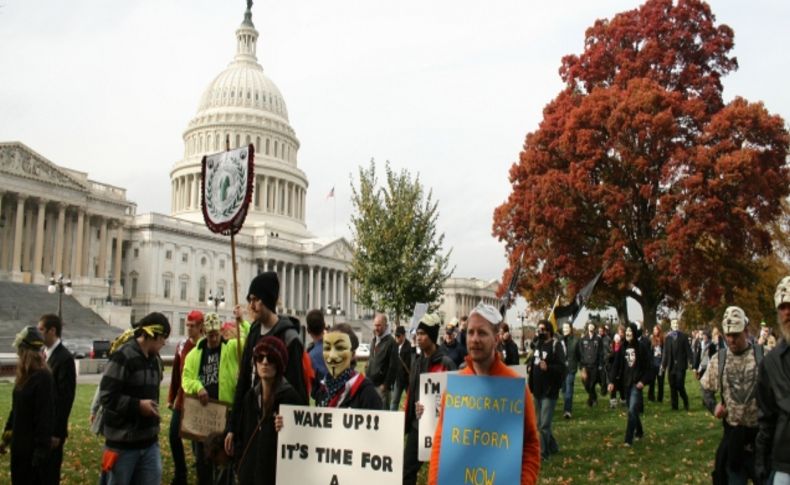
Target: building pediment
(337, 249)
(20, 160)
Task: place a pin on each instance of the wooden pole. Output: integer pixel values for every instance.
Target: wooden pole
(235, 278)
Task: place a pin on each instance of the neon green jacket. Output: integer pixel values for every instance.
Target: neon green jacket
(228, 369)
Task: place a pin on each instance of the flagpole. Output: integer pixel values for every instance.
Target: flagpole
(235, 278)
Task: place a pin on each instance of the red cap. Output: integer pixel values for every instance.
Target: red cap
(195, 316)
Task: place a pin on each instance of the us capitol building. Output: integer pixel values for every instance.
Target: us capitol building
(124, 265)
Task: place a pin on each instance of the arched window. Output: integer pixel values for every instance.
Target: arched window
(267, 146)
(202, 289)
(257, 145)
(275, 148)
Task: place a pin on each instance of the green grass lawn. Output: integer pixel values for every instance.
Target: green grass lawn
(678, 447)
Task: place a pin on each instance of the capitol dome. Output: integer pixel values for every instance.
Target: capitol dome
(243, 106)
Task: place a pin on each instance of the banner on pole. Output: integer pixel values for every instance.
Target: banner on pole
(227, 183)
(482, 430)
(339, 446)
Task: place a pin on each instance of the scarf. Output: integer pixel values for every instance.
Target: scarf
(332, 386)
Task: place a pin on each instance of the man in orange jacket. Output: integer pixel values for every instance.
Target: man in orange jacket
(484, 360)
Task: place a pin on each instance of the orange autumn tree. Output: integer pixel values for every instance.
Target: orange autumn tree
(640, 167)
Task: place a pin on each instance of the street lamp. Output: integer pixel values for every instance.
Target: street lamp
(333, 310)
(110, 281)
(60, 286)
(218, 301)
(522, 315)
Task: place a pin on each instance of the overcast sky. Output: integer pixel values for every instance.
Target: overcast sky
(444, 88)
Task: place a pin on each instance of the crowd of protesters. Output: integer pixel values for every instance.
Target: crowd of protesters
(261, 362)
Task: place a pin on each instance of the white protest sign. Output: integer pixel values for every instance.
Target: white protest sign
(432, 385)
(339, 446)
(420, 309)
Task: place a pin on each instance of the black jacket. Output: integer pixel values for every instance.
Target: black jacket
(456, 351)
(364, 397)
(61, 362)
(547, 383)
(259, 464)
(589, 352)
(383, 362)
(294, 370)
(571, 343)
(31, 422)
(677, 353)
(773, 397)
(511, 352)
(405, 356)
(632, 364)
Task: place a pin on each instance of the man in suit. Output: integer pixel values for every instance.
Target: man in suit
(404, 366)
(64, 374)
(383, 362)
(677, 358)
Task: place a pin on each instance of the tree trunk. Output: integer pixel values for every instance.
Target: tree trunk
(649, 310)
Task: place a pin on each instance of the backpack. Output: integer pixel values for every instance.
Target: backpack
(307, 364)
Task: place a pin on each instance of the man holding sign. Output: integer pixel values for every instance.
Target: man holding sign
(483, 360)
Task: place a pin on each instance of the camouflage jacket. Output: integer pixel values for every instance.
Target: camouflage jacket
(739, 383)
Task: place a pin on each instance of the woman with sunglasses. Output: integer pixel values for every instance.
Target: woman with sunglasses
(258, 460)
(343, 386)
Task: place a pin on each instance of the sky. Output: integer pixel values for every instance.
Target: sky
(446, 89)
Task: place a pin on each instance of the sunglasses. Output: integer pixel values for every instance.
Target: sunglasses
(261, 357)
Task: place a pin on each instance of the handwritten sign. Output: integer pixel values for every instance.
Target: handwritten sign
(432, 385)
(338, 446)
(199, 421)
(482, 431)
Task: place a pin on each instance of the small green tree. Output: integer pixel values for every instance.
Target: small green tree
(397, 260)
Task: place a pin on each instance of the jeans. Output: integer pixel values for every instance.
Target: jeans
(677, 385)
(635, 405)
(411, 464)
(397, 391)
(589, 385)
(742, 476)
(544, 410)
(133, 467)
(177, 447)
(385, 396)
(567, 392)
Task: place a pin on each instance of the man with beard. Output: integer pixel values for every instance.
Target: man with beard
(773, 395)
(431, 358)
(483, 360)
(589, 355)
(571, 342)
(546, 372)
(677, 358)
(733, 373)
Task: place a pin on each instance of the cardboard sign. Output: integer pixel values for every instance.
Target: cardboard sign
(339, 446)
(432, 385)
(482, 431)
(199, 421)
(420, 309)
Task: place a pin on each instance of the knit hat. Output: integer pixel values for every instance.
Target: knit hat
(266, 287)
(29, 338)
(734, 320)
(400, 331)
(154, 324)
(212, 322)
(275, 352)
(429, 323)
(195, 316)
(782, 294)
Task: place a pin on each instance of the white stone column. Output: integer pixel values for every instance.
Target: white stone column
(116, 275)
(277, 196)
(291, 294)
(196, 204)
(103, 249)
(78, 246)
(310, 289)
(59, 236)
(38, 252)
(335, 295)
(343, 303)
(87, 242)
(19, 226)
(284, 286)
(300, 289)
(325, 292)
(265, 195)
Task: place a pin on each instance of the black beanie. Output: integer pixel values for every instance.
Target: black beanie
(429, 324)
(266, 287)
